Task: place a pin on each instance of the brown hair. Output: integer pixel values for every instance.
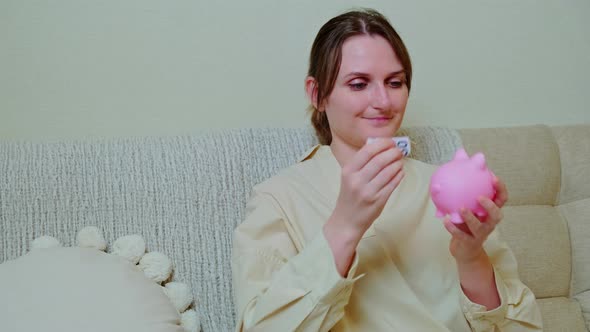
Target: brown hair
(326, 55)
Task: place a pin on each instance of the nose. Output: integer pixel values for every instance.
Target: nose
(380, 97)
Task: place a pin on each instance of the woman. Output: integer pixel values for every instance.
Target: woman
(346, 239)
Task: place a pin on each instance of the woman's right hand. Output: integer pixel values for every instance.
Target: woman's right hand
(366, 183)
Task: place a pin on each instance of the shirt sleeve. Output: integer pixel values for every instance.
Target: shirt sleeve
(518, 310)
(276, 286)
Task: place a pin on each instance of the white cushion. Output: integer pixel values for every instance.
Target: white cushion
(81, 289)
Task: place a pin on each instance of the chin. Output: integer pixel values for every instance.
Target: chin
(380, 132)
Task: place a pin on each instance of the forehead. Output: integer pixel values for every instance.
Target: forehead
(371, 54)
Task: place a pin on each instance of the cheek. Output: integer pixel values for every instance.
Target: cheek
(357, 101)
(346, 101)
(400, 99)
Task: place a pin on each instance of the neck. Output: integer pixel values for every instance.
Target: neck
(342, 151)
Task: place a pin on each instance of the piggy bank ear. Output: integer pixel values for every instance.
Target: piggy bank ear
(461, 155)
(479, 160)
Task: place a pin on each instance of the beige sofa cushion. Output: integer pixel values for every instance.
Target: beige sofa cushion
(584, 300)
(80, 289)
(574, 197)
(574, 153)
(526, 158)
(539, 238)
(577, 215)
(561, 314)
(547, 217)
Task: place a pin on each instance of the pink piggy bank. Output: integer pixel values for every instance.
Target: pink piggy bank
(459, 183)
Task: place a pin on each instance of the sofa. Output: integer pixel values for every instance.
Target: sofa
(185, 195)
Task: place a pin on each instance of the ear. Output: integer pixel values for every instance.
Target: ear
(480, 160)
(461, 155)
(311, 89)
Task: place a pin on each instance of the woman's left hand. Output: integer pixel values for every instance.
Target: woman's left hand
(466, 247)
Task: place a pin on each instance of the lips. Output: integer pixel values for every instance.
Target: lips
(379, 120)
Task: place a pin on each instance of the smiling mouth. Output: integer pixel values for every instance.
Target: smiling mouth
(379, 118)
(379, 121)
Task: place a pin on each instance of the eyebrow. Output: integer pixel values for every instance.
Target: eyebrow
(358, 73)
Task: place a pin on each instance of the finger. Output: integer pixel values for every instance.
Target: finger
(368, 151)
(456, 232)
(494, 212)
(386, 175)
(474, 225)
(501, 191)
(390, 187)
(379, 163)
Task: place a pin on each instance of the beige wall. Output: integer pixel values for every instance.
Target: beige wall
(74, 68)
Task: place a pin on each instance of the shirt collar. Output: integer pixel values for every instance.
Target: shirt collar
(309, 153)
(327, 170)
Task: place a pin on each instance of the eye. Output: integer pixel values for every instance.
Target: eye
(358, 86)
(396, 84)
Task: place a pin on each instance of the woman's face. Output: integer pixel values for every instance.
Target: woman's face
(370, 94)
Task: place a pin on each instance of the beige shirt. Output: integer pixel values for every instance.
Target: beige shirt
(403, 277)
